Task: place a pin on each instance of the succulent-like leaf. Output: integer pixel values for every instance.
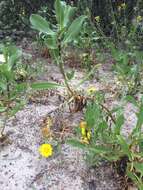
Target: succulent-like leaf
(40, 24)
(74, 29)
(60, 7)
(44, 85)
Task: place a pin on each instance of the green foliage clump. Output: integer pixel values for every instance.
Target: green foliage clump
(107, 143)
(57, 38)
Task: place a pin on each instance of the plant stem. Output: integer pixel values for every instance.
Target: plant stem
(61, 66)
(64, 76)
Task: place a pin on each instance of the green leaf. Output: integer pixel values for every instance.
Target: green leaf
(119, 124)
(70, 75)
(40, 24)
(44, 85)
(3, 109)
(51, 42)
(74, 29)
(59, 8)
(68, 14)
(140, 118)
(21, 87)
(92, 114)
(139, 167)
(76, 143)
(124, 146)
(12, 60)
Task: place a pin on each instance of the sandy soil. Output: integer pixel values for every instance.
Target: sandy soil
(22, 168)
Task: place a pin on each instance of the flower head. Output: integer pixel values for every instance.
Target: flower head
(89, 135)
(139, 18)
(46, 150)
(97, 18)
(85, 140)
(83, 124)
(85, 132)
(91, 90)
(123, 5)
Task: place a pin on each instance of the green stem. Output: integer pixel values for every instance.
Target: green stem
(61, 66)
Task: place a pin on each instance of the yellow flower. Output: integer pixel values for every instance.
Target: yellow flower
(83, 124)
(123, 5)
(46, 150)
(91, 90)
(97, 18)
(83, 131)
(86, 133)
(139, 18)
(89, 135)
(85, 140)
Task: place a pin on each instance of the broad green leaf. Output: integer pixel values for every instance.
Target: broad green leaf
(44, 85)
(76, 143)
(14, 58)
(5, 71)
(68, 14)
(40, 24)
(51, 42)
(60, 7)
(74, 29)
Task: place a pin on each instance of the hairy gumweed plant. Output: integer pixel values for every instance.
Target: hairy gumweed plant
(58, 37)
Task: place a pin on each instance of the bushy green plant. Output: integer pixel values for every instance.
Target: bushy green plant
(10, 68)
(63, 33)
(128, 69)
(13, 84)
(101, 136)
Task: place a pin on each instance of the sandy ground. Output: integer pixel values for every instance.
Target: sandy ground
(22, 168)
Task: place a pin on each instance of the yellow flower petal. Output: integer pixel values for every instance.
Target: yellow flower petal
(83, 131)
(85, 140)
(88, 135)
(91, 90)
(46, 150)
(139, 18)
(83, 124)
(97, 18)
